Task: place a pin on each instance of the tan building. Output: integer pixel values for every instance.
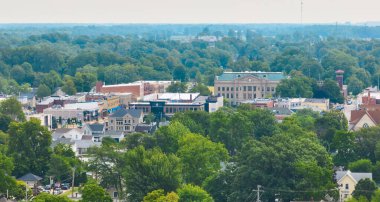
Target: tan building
(125, 120)
(364, 119)
(347, 181)
(240, 86)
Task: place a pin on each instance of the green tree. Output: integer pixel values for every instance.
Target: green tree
(200, 157)
(13, 108)
(148, 170)
(177, 87)
(5, 120)
(299, 86)
(330, 90)
(200, 88)
(355, 86)
(367, 143)
(43, 91)
(134, 140)
(167, 137)
(196, 121)
(344, 145)
(59, 167)
(159, 196)
(327, 125)
(362, 166)
(29, 146)
(6, 179)
(189, 193)
(69, 87)
(45, 197)
(179, 73)
(262, 121)
(94, 193)
(366, 188)
(282, 157)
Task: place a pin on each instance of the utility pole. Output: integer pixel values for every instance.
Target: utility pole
(26, 192)
(72, 184)
(258, 193)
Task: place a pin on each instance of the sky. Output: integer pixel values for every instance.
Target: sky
(188, 11)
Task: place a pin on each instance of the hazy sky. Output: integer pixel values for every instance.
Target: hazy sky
(188, 11)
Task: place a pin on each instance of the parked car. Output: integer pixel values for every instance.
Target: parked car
(57, 191)
(47, 187)
(64, 187)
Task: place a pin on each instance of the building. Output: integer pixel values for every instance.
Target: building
(295, 104)
(51, 101)
(237, 87)
(68, 133)
(155, 86)
(136, 89)
(364, 119)
(347, 181)
(30, 179)
(172, 97)
(45, 119)
(86, 111)
(259, 103)
(339, 79)
(125, 120)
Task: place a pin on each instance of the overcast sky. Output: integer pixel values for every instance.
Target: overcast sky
(188, 11)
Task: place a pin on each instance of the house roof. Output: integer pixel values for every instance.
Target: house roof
(281, 111)
(356, 176)
(83, 144)
(272, 76)
(57, 141)
(122, 112)
(357, 115)
(146, 128)
(96, 127)
(30, 177)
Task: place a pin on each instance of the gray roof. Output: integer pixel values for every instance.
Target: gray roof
(281, 111)
(86, 144)
(145, 128)
(356, 176)
(66, 141)
(122, 112)
(96, 127)
(272, 76)
(30, 177)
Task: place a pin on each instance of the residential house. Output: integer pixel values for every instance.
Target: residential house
(68, 133)
(95, 129)
(125, 120)
(364, 119)
(30, 179)
(146, 128)
(347, 181)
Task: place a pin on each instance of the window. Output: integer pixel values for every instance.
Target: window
(218, 88)
(249, 88)
(228, 95)
(244, 88)
(272, 89)
(268, 89)
(254, 88)
(228, 88)
(232, 95)
(222, 88)
(365, 125)
(347, 186)
(115, 194)
(232, 88)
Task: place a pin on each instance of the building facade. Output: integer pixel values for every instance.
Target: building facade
(240, 86)
(125, 120)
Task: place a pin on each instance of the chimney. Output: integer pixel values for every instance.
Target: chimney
(98, 86)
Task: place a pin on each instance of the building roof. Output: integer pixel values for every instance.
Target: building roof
(281, 111)
(272, 76)
(96, 127)
(65, 141)
(122, 112)
(356, 115)
(30, 177)
(356, 176)
(145, 128)
(83, 144)
(83, 105)
(171, 96)
(316, 100)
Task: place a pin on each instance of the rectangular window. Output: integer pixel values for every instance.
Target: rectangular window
(222, 88)
(244, 88)
(272, 89)
(232, 88)
(218, 88)
(347, 186)
(228, 95)
(228, 88)
(249, 88)
(268, 89)
(254, 88)
(232, 95)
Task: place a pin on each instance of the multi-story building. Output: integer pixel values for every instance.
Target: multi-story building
(125, 120)
(240, 86)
